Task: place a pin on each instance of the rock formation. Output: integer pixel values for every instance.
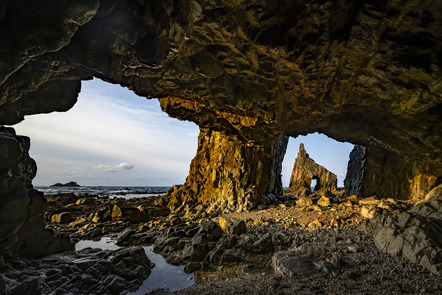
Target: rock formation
(305, 170)
(355, 171)
(248, 73)
(22, 226)
(238, 176)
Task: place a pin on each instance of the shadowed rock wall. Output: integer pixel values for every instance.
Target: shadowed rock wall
(22, 226)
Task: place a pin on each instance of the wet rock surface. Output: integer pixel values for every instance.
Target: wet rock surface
(88, 271)
(321, 239)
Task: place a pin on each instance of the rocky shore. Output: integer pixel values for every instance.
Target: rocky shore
(322, 243)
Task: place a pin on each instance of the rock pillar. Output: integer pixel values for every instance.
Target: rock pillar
(22, 225)
(231, 174)
(355, 171)
(305, 170)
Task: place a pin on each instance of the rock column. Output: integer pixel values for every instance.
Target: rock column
(230, 174)
(22, 225)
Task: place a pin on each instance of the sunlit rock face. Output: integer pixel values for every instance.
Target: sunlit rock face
(229, 174)
(368, 73)
(305, 170)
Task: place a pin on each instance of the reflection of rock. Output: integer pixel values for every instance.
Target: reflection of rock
(305, 170)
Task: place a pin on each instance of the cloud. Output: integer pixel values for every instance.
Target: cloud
(124, 165)
(109, 168)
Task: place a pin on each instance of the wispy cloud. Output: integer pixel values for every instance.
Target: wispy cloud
(110, 168)
(124, 165)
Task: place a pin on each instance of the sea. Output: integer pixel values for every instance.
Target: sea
(127, 192)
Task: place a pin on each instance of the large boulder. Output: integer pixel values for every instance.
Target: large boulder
(415, 234)
(128, 213)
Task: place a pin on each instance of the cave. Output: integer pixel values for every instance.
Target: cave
(249, 76)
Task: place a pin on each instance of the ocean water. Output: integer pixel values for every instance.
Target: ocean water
(106, 191)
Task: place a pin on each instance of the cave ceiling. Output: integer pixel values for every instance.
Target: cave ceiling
(367, 72)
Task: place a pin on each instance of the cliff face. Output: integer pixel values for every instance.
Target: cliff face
(22, 226)
(305, 170)
(252, 70)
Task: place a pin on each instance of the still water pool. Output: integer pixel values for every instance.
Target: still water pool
(164, 275)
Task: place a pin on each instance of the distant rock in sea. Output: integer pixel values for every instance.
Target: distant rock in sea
(70, 183)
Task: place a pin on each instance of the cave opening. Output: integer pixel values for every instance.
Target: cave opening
(111, 137)
(325, 151)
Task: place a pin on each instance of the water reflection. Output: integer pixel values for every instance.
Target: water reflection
(221, 273)
(163, 275)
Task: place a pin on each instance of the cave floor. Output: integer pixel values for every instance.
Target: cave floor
(336, 228)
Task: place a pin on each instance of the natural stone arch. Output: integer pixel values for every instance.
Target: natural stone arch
(367, 74)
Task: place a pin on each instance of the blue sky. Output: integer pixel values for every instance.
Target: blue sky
(114, 137)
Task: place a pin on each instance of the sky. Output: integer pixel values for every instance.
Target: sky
(112, 137)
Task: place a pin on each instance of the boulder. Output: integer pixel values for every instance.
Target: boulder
(290, 264)
(211, 230)
(64, 217)
(131, 214)
(304, 202)
(323, 201)
(85, 201)
(236, 227)
(415, 234)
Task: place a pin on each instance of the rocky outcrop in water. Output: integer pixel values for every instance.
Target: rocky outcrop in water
(22, 226)
(305, 170)
(68, 184)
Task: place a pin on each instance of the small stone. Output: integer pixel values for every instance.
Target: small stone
(352, 198)
(85, 201)
(64, 217)
(370, 211)
(324, 202)
(369, 201)
(314, 224)
(304, 201)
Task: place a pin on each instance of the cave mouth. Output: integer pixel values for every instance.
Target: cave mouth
(325, 151)
(111, 137)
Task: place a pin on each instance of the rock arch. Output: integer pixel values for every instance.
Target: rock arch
(248, 73)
